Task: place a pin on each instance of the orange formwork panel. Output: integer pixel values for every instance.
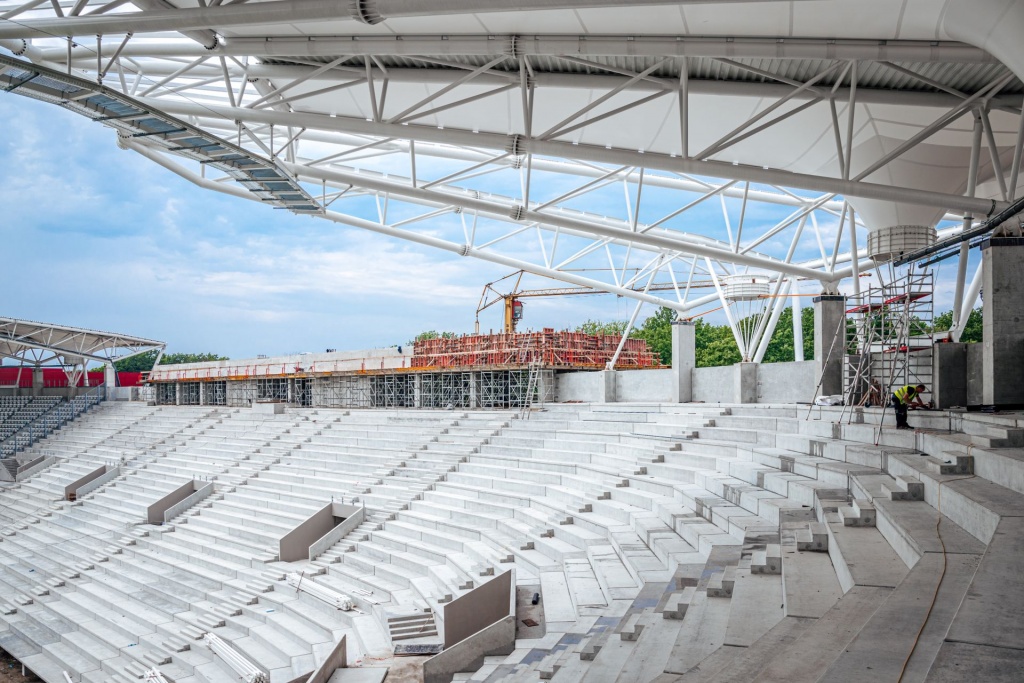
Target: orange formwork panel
(560, 349)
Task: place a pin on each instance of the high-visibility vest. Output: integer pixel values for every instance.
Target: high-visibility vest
(906, 394)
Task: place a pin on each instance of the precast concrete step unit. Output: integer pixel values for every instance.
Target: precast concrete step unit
(665, 542)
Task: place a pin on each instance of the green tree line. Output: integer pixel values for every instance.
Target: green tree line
(144, 361)
(715, 344)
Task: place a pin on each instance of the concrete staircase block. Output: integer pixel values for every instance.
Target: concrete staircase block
(679, 603)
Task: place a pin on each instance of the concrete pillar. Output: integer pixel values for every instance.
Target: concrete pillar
(290, 391)
(829, 336)
(684, 360)
(949, 376)
(1002, 261)
(608, 387)
(109, 376)
(417, 391)
(202, 393)
(745, 390)
(37, 381)
(177, 393)
(474, 386)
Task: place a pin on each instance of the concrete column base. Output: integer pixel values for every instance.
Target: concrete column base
(608, 386)
(746, 382)
(829, 342)
(684, 360)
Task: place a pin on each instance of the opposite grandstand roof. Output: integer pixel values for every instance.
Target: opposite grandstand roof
(39, 343)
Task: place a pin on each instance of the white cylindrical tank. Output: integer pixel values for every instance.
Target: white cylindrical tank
(745, 287)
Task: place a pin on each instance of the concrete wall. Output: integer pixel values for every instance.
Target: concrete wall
(786, 382)
(353, 516)
(71, 489)
(1003, 321)
(94, 483)
(338, 659)
(587, 387)
(155, 512)
(477, 609)
(497, 639)
(201, 492)
(975, 372)
(34, 467)
(715, 385)
(338, 361)
(949, 379)
(295, 545)
(644, 385)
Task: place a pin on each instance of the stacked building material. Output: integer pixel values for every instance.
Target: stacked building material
(550, 348)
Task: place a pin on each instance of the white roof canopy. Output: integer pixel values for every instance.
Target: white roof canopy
(38, 343)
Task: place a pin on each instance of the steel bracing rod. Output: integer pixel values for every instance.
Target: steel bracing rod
(760, 332)
(458, 103)
(937, 125)
(839, 238)
(972, 181)
(629, 325)
(556, 130)
(724, 140)
(428, 240)
(179, 72)
(799, 214)
(720, 190)
(769, 330)
(604, 45)
(298, 81)
(595, 153)
(727, 309)
(993, 150)
(972, 296)
(405, 114)
(1018, 150)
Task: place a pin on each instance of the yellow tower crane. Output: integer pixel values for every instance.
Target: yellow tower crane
(514, 307)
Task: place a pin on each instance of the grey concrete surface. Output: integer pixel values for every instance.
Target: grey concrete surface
(1002, 261)
(684, 361)
(949, 375)
(829, 341)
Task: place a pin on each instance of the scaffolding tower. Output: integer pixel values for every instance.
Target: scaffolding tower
(889, 339)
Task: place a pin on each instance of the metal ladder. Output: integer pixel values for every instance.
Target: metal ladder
(531, 389)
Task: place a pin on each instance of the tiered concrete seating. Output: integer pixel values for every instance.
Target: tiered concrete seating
(686, 542)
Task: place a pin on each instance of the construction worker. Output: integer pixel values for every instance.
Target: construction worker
(904, 398)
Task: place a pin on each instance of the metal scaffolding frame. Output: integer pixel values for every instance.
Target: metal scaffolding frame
(342, 391)
(392, 391)
(190, 393)
(890, 337)
(216, 394)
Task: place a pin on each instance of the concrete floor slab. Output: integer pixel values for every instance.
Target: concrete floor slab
(704, 630)
(811, 587)
(959, 662)
(862, 557)
(810, 655)
(991, 612)
(888, 638)
(757, 606)
(558, 604)
(364, 675)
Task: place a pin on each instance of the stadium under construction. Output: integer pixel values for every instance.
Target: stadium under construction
(546, 505)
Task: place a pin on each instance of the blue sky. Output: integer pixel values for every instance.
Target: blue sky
(98, 237)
